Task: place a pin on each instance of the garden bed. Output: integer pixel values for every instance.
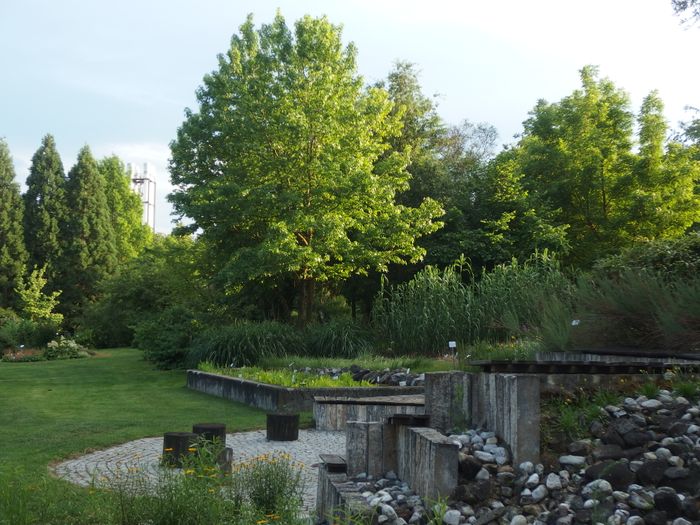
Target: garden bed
(273, 398)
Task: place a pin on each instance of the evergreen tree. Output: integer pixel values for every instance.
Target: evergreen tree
(13, 255)
(45, 210)
(125, 209)
(89, 237)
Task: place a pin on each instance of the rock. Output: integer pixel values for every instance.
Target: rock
(637, 438)
(532, 481)
(553, 482)
(667, 500)
(484, 457)
(681, 521)
(489, 516)
(641, 500)
(608, 452)
(678, 429)
(518, 519)
(573, 461)
(652, 472)
(619, 475)
(469, 467)
(663, 453)
(473, 493)
(597, 489)
(657, 517)
(483, 474)
(582, 447)
(539, 494)
(388, 511)
(635, 520)
(676, 473)
(651, 404)
(527, 467)
(452, 517)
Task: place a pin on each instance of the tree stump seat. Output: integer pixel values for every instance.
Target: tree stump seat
(282, 427)
(177, 445)
(212, 432)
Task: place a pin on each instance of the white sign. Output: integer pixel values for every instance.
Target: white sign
(452, 344)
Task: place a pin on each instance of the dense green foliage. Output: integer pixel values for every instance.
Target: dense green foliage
(45, 210)
(283, 167)
(577, 156)
(13, 254)
(131, 236)
(285, 377)
(512, 300)
(244, 343)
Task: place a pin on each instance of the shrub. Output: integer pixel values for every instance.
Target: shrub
(641, 309)
(26, 333)
(341, 338)
(672, 258)
(63, 348)
(243, 343)
(166, 337)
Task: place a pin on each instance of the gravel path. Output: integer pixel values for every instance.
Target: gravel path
(103, 466)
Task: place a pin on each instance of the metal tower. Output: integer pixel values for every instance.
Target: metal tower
(144, 184)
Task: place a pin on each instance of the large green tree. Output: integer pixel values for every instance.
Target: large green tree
(90, 252)
(13, 255)
(45, 210)
(579, 158)
(125, 209)
(283, 170)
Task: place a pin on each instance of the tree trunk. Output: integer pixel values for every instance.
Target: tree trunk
(306, 300)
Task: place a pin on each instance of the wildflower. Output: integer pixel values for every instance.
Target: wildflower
(168, 450)
(192, 449)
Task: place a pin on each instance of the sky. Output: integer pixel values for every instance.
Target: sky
(118, 75)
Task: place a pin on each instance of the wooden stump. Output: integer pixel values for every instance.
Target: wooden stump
(176, 445)
(213, 432)
(282, 427)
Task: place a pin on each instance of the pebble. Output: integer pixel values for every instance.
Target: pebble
(574, 461)
(452, 517)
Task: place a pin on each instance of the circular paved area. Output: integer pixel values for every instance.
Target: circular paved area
(103, 466)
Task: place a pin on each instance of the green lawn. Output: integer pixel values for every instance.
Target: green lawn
(57, 409)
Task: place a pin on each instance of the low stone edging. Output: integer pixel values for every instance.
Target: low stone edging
(274, 398)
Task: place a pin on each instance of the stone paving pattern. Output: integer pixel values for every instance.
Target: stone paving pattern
(104, 466)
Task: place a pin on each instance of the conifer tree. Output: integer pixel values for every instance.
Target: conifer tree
(13, 254)
(45, 210)
(89, 237)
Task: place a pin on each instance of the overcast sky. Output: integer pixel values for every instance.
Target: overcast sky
(118, 75)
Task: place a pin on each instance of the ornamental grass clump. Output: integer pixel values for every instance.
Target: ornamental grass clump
(264, 489)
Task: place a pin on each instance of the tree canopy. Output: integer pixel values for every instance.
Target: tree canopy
(13, 255)
(45, 210)
(284, 169)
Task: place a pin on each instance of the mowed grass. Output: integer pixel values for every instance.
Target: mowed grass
(55, 410)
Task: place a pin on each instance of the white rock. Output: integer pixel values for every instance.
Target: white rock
(681, 521)
(389, 512)
(620, 495)
(682, 401)
(651, 404)
(553, 482)
(574, 461)
(532, 481)
(663, 453)
(484, 457)
(452, 517)
(539, 494)
(693, 429)
(527, 467)
(675, 461)
(598, 487)
(590, 503)
(518, 519)
(635, 520)
(483, 474)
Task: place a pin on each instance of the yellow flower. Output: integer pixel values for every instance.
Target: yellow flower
(192, 449)
(168, 450)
